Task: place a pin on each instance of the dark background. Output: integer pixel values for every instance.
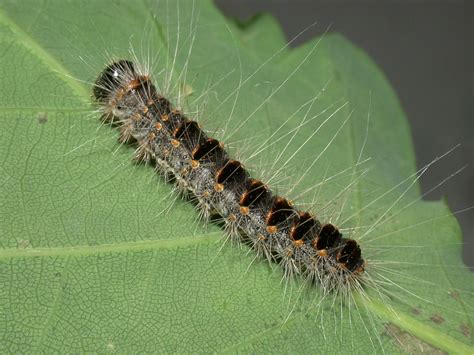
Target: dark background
(426, 48)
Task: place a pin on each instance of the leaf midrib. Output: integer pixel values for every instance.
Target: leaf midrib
(84, 250)
(33, 109)
(416, 328)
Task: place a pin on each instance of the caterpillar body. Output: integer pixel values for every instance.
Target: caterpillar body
(202, 168)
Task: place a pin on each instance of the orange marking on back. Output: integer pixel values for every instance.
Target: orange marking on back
(133, 84)
(244, 210)
(298, 243)
(272, 229)
(194, 164)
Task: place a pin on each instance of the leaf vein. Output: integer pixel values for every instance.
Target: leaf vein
(84, 250)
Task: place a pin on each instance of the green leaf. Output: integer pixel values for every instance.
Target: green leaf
(88, 261)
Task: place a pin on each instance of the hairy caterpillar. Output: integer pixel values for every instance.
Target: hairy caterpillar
(220, 184)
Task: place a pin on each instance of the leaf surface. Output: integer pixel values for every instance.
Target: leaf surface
(88, 263)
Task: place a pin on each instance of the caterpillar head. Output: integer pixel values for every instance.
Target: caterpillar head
(112, 78)
(110, 87)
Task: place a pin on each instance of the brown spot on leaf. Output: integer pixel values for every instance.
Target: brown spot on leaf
(455, 295)
(42, 117)
(416, 311)
(465, 330)
(437, 318)
(23, 244)
(408, 343)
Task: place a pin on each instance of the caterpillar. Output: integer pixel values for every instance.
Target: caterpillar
(202, 168)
